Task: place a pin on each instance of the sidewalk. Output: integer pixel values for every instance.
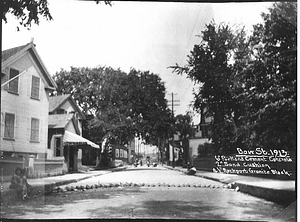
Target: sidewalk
(279, 191)
(45, 185)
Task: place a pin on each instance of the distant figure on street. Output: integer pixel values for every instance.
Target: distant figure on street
(20, 184)
(148, 161)
(192, 171)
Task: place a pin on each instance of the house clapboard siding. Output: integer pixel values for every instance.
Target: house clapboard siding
(24, 107)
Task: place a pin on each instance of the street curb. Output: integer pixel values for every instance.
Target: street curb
(284, 197)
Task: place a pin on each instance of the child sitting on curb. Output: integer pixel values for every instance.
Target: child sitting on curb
(20, 184)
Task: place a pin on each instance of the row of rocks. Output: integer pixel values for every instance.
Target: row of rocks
(115, 185)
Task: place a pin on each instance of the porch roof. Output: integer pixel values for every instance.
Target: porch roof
(73, 139)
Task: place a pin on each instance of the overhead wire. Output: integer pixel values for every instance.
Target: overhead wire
(188, 85)
(185, 85)
(194, 42)
(186, 47)
(181, 83)
(188, 43)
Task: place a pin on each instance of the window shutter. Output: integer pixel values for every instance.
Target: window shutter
(28, 131)
(16, 126)
(29, 83)
(35, 87)
(14, 84)
(41, 131)
(2, 124)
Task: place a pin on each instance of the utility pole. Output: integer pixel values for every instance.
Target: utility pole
(173, 150)
(138, 143)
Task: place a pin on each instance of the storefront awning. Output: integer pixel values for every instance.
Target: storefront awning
(72, 139)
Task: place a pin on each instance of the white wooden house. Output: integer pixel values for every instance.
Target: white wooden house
(65, 132)
(25, 88)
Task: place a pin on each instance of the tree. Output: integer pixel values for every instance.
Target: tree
(150, 105)
(272, 77)
(248, 84)
(122, 105)
(100, 92)
(28, 11)
(185, 130)
(210, 65)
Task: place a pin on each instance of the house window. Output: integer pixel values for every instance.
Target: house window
(117, 153)
(34, 136)
(9, 127)
(61, 111)
(125, 154)
(121, 153)
(13, 85)
(35, 87)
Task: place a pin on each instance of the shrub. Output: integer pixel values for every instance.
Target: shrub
(206, 150)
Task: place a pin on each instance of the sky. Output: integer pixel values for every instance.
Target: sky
(147, 36)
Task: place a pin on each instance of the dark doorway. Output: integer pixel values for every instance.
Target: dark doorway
(57, 143)
(71, 158)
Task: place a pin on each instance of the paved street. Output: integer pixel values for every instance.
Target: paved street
(146, 193)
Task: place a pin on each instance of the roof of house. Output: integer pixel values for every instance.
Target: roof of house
(55, 102)
(74, 139)
(59, 120)
(6, 54)
(9, 56)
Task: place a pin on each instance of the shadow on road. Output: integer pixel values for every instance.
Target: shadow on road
(145, 203)
(55, 202)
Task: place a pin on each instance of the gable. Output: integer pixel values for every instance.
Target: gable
(66, 103)
(68, 106)
(27, 68)
(71, 127)
(59, 120)
(64, 121)
(11, 56)
(56, 101)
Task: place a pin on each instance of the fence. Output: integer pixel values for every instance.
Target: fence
(48, 167)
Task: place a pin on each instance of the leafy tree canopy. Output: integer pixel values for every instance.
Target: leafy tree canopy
(184, 127)
(29, 11)
(248, 84)
(122, 105)
(272, 79)
(210, 65)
